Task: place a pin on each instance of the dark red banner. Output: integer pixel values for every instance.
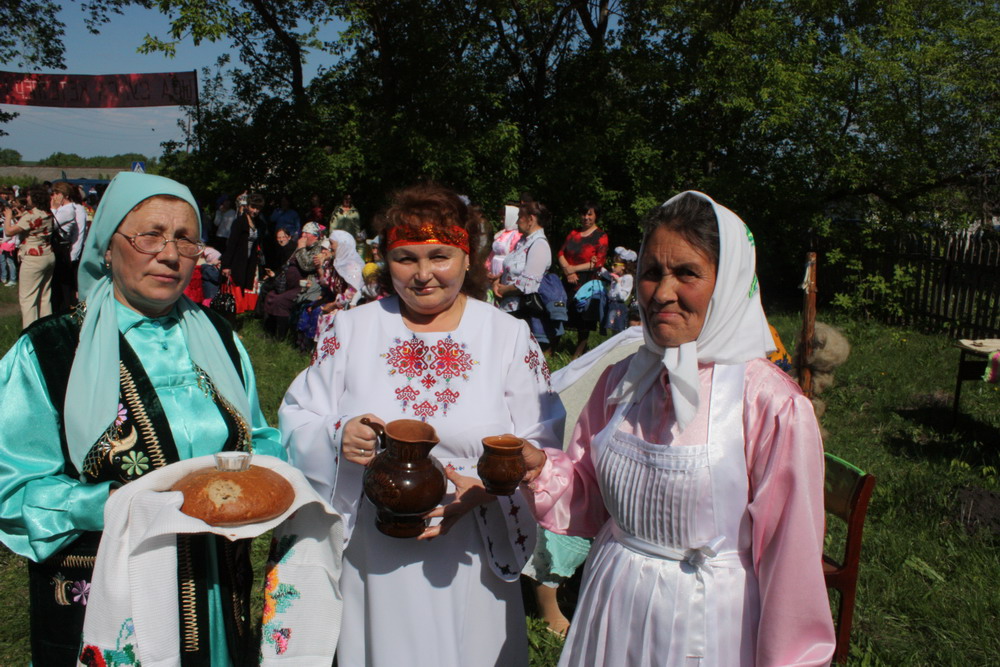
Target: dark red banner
(99, 91)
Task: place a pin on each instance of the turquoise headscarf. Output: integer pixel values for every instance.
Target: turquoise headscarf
(92, 393)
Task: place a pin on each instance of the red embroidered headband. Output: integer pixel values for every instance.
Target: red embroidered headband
(428, 233)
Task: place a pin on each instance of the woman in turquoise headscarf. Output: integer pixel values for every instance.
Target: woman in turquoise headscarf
(135, 379)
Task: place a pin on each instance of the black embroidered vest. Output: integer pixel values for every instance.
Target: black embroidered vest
(138, 441)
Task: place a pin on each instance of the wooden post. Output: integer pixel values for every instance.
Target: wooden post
(808, 325)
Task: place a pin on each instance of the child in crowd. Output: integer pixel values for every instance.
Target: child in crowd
(198, 290)
(620, 282)
(211, 274)
(371, 291)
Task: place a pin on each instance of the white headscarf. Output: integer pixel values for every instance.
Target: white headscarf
(735, 329)
(510, 214)
(347, 262)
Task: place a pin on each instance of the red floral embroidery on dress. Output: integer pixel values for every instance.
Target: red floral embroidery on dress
(450, 360)
(330, 345)
(412, 358)
(425, 409)
(446, 396)
(536, 362)
(547, 374)
(407, 394)
(324, 349)
(407, 357)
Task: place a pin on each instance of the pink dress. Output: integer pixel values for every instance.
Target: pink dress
(708, 541)
(503, 243)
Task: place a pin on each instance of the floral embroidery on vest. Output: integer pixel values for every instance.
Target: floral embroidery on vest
(135, 463)
(67, 592)
(446, 360)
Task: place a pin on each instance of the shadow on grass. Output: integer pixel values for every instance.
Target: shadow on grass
(935, 436)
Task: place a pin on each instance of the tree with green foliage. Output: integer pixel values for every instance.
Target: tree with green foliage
(9, 157)
(795, 114)
(122, 161)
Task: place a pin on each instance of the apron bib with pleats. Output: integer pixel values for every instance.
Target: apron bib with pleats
(669, 580)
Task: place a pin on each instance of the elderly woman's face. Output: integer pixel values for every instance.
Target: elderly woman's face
(151, 284)
(676, 281)
(526, 222)
(428, 278)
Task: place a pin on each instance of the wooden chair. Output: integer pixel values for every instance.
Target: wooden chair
(846, 494)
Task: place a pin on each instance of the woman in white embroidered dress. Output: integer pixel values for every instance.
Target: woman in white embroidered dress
(698, 466)
(432, 352)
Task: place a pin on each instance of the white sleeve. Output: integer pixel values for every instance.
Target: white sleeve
(536, 412)
(625, 286)
(538, 262)
(64, 215)
(537, 415)
(310, 422)
(80, 214)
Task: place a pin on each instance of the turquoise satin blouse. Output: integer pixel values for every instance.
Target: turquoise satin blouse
(43, 510)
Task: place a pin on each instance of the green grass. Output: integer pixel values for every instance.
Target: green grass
(927, 593)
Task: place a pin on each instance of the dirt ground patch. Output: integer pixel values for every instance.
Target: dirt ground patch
(9, 309)
(980, 508)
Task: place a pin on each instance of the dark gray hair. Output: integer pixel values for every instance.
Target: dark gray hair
(692, 217)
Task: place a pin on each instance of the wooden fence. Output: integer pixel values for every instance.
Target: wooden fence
(955, 284)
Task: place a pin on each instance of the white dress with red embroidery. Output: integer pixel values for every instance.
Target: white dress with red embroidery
(454, 600)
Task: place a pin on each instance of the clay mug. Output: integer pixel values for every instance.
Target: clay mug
(403, 481)
(501, 467)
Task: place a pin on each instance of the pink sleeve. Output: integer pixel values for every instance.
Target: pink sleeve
(785, 465)
(567, 498)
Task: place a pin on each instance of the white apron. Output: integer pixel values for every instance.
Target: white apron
(669, 580)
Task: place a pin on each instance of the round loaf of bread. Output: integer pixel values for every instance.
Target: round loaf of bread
(221, 498)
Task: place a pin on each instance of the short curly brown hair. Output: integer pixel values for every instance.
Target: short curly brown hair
(438, 205)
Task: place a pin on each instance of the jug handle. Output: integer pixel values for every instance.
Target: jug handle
(378, 428)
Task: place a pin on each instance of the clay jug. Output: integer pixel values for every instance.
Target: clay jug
(501, 467)
(403, 481)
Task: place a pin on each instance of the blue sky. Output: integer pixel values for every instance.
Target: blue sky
(40, 131)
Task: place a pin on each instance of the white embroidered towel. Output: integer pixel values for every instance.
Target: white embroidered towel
(132, 610)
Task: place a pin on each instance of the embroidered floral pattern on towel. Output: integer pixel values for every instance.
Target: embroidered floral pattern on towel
(122, 655)
(278, 597)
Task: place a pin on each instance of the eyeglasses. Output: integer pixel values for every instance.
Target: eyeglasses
(153, 243)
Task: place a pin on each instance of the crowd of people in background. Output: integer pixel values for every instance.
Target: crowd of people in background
(302, 267)
(43, 234)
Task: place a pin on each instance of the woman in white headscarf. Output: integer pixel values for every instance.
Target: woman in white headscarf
(698, 466)
(503, 242)
(137, 378)
(341, 279)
